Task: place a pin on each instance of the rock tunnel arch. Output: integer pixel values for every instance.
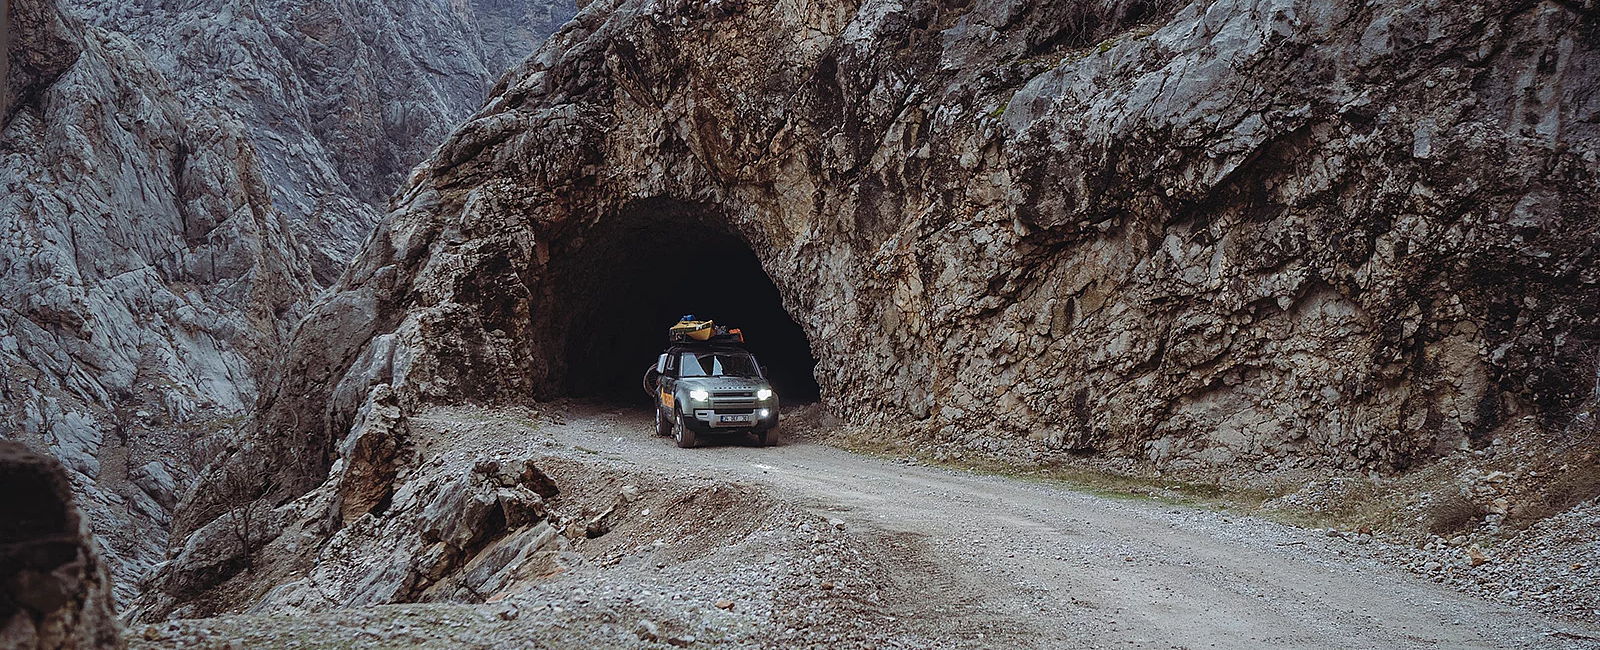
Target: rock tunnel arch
(637, 270)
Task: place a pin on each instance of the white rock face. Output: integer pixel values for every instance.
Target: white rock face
(146, 276)
(176, 183)
(339, 99)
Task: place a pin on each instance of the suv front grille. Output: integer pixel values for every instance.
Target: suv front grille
(744, 400)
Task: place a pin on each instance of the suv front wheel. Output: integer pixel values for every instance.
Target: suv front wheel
(685, 435)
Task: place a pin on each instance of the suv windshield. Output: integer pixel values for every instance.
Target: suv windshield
(718, 364)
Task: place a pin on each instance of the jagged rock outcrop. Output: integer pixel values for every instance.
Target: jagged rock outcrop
(54, 591)
(340, 100)
(173, 196)
(1240, 230)
(444, 529)
(1218, 233)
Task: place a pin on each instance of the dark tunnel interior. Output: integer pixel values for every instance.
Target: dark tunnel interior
(637, 272)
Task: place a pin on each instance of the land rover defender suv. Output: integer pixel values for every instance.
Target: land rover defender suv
(711, 387)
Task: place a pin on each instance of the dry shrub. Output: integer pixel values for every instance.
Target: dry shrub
(1573, 477)
(1568, 489)
(1454, 514)
(1575, 486)
(245, 492)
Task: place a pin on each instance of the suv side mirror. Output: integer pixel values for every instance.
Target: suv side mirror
(661, 364)
(764, 373)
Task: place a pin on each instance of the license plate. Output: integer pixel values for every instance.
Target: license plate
(733, 419)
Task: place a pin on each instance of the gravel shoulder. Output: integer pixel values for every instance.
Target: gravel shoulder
(1071, 568)
(734, 545)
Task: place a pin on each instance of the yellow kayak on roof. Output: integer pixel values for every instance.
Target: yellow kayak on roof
(699, 330)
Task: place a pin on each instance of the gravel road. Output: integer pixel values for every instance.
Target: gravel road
(732, 545)
(1010, 563)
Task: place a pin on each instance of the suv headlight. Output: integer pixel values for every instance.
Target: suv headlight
(765, 393)
(699, 395)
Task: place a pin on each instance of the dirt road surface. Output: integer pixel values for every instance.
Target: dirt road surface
(1038, 566)
(804, 545)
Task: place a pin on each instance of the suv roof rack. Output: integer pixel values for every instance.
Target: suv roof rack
(714, 342)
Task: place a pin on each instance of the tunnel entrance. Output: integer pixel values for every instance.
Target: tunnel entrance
(635, 274)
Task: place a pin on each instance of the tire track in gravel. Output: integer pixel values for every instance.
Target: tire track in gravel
(1010, 563)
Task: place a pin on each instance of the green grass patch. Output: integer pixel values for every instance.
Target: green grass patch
(996, 113)
(1161, 489)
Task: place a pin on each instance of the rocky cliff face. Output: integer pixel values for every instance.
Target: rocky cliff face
(147, 276)
(1227, 232)
(1224, 233)
(340, 100)
(172, 198)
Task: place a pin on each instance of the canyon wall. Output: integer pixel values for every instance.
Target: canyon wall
(147, 276)
(178, 181)
(1227, 233)
(340, 100)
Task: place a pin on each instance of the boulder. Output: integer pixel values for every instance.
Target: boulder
(54, 590)
(154, 479)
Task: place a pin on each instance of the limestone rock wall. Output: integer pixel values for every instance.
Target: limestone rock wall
(340, 100)
(146, 276)
(1224, 233)
(177, 180)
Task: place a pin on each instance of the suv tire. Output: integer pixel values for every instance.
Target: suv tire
(769, 438)
(685, 435)
(663, 425)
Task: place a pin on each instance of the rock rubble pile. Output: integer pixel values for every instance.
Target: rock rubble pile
(441, 528)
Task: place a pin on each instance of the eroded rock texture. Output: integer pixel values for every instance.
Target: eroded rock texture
(54, 591)
(340, 100)
(440, 527)
(146, 276)
(172, 197)
(1221, 233)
